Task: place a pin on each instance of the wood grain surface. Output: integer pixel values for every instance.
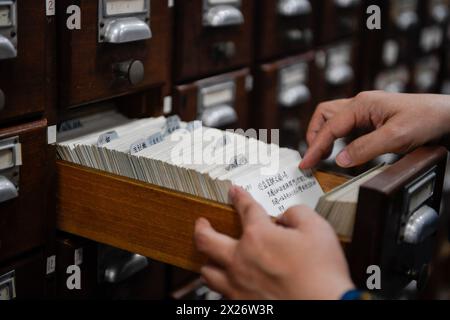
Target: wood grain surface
(139, 217)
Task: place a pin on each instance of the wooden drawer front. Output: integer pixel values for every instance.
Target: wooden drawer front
(89, 69)
(386, 207)
(159, 223)
(274, 85)
(23, 78)
(277, 33)
(434, 11)
(25, 220)
(204, 50)
(27, 275)
(337, 70)
(335, 20)
(395, 43)
(188, 99)
(142, 218)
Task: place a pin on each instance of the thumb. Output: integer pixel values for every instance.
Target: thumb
(368, 147)
(297, 217)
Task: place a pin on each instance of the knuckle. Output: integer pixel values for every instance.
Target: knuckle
(363, 96)
(252, 234)
(201, 240)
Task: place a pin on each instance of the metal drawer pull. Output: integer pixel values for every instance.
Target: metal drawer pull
(219, 116)
(127, 30)
(7, 49)
(345, 4)
(422, 224)
(292, 8)
(339, 75)
(223, 15)
(8, 190)
(125, 266)
(294, 96)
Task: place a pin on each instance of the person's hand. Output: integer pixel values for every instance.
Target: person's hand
(399, 124)
(299, 257)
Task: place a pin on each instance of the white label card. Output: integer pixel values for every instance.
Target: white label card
(286, 189)
(107, 138)
(78, 257)
(50, 7)
(51, 264)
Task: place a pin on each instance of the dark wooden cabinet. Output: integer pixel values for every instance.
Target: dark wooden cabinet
(284, 97)
(114, 54)
(283, 27)
(430, 51)
(26, 60)
(205, 44)
(388, 54)
(27, 218)
(222, 101)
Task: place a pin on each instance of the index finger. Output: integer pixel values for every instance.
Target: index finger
(324, 112)
(337, 127)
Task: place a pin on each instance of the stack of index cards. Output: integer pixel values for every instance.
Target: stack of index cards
(189, 158)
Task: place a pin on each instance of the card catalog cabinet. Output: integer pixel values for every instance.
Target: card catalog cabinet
(25, 176)
(337, 19)
(25, 33)
(283, 27)
(121, 48)
(284, 97)
(221, 102)
(431, 45)
(393, 47)
(387, 232)
(211, 37)
(337, 68)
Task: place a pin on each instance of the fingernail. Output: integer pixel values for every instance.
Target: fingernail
(201, 222)
(302, 165)
(343, 159)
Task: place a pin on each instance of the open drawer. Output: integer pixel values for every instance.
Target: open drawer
(159, 223)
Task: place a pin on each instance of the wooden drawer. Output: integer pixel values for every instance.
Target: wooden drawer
(230, 111)
(335, 20)
(25, 221)
(283, 28)
(337, 66)
(116, 211)
(284, 97)
(95, 65)
(25, 77)
(159, 223)
(203, 50)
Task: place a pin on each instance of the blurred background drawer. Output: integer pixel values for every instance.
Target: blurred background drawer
(284, 97)
(24, 54)
(221, 101)
(118, 51)
(337, 19)
(283, 27)
(212, 37)
(25, 214)
(337, 74)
